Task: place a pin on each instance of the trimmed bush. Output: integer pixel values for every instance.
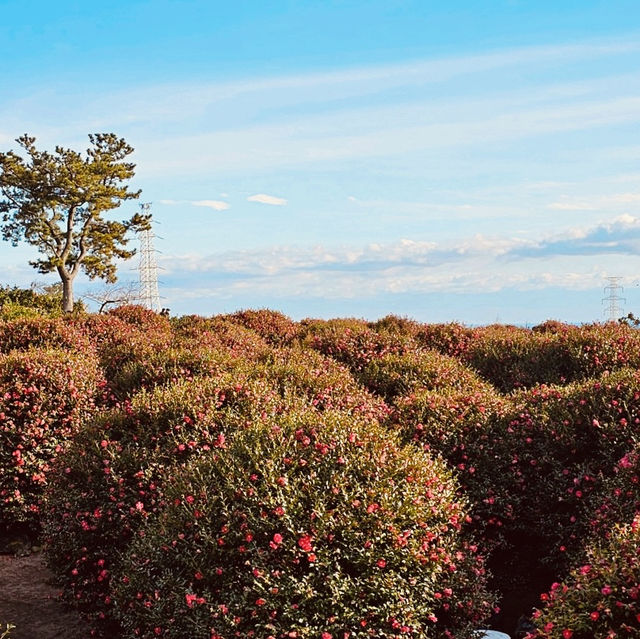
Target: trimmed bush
(535, 475)
(45, 396)
(55, 333)
(619, 497)
(400, 374)
(600, 598)
(451, 422)
(274, 327)
(174, 364)
(309, 526)
(122, 340)
(321, 381)
(351, 342)
(450, 339)
(512, 358)
(110, 482)
(141, 317)
(220, 333)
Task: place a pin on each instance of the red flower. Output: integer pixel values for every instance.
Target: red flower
(567, 634)
(305, 543)
(190, 599)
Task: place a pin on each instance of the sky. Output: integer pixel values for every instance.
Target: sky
(474, 161)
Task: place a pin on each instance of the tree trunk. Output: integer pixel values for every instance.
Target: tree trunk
(67, 294)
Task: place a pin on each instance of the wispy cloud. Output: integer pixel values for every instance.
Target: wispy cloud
(216, 205)
(619, 237)
(595, 203)
(263, 198)
(471, 265)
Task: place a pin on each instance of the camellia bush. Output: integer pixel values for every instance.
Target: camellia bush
(45, 397)
(351, 342)
(276, 328)
(110, 482)
(323, 382)
(308, 525)
(416, 370)
(601, 597)
(219, 332)
(41, 332)
(536, 473)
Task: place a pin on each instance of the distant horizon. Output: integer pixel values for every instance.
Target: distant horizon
(351, 158)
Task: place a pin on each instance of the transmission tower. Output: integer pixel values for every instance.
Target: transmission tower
(148, 268)
(612, 291)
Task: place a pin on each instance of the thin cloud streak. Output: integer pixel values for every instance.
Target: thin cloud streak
(263, 198)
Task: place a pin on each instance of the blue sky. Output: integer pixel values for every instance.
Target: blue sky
(469, 161)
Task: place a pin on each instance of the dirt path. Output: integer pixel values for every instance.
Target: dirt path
(29, 601)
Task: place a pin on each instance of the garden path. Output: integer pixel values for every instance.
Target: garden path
(29, 601)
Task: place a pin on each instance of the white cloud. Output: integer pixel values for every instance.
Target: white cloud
(595, 203)
(216, 205)
(263, 198)
(576, 259)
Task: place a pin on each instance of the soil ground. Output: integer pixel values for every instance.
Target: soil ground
(29, 600)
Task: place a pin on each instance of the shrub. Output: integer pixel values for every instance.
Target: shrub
(599, 348)
(512, 358)
(535, 474)
(274, 327)
(450, 339)
(399, 374)
(110, 482)
(122, 340)
(321, 381)
(618, 500)
(220, 333)
(552, 326)
(159, 368)
(45, 396)
(141, 317)
(600, 598)
(451, 422)
(398, 325)
(306, 527)
(351, 342)
(56, 333)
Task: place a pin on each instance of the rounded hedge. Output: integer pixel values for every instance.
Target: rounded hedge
(351, 342)
(45, 397)
(324, 383)
(40, 332)
(402, 373)
(110, 482)
(601, 597)
(308, 526)
(273, 326)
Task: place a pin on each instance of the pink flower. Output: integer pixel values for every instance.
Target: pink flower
(567, 634)
(606, 590)
(305, 543)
